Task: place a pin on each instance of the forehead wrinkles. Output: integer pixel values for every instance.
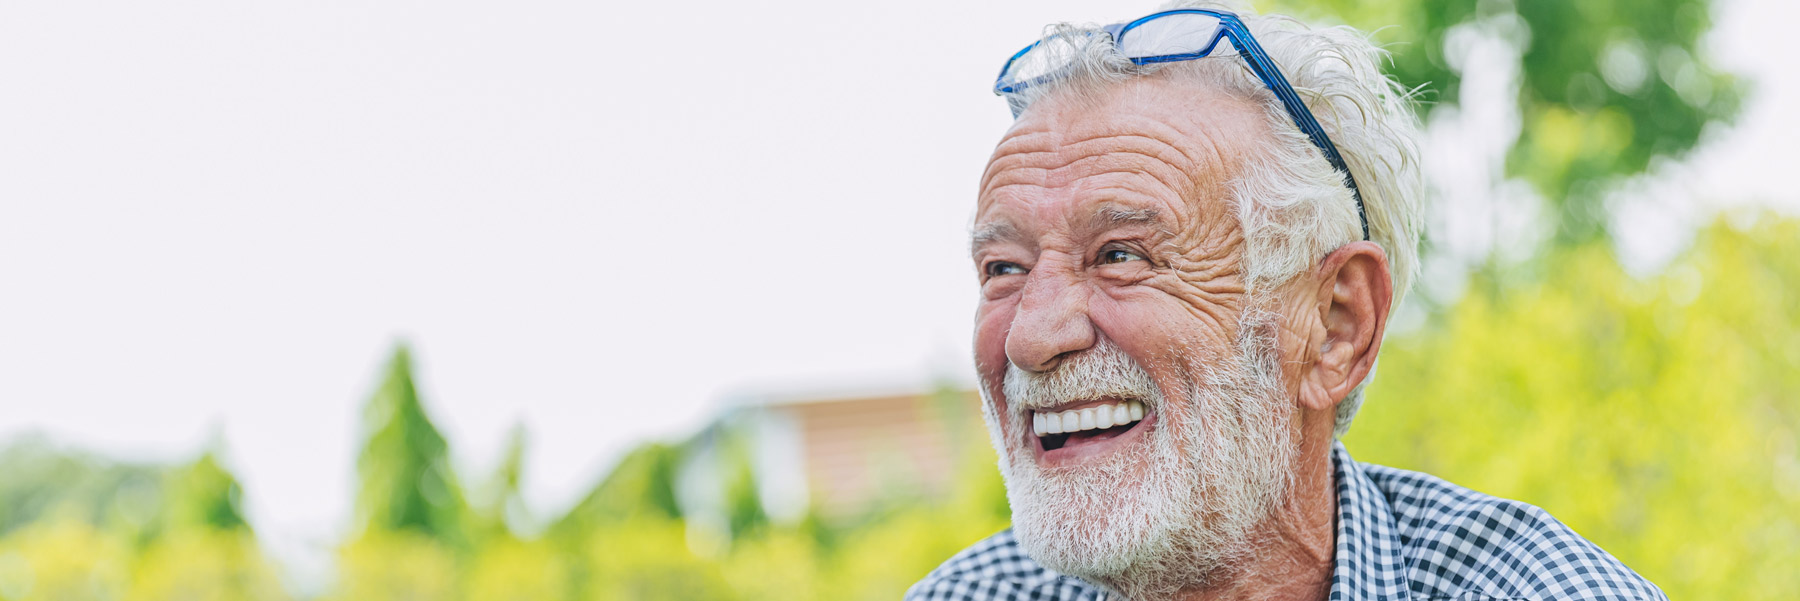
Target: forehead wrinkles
(1137, 154)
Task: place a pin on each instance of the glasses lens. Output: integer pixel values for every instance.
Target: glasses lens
(1176, 34)
(1047, 59)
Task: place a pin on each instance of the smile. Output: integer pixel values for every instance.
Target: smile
(1085, 429)
(1091, 418)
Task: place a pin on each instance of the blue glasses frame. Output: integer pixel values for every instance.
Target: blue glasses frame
(1233, 29)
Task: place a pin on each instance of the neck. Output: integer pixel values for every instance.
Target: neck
(1292, 556)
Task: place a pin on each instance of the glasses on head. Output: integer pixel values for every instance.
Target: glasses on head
(1172, 36)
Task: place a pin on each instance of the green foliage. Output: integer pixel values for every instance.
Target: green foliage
(640, 487)
(510, 569)
(649, 559)
(205, 496)
(45, 484)
(743, 507)
(205, 563)
(502, 508)
(1658, 417)
(1607, 85)
(83, 528)
(406, 480)
(140, 502)
(399, 563)
(62, 558)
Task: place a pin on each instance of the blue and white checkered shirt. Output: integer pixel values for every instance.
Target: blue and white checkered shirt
(1400, 535)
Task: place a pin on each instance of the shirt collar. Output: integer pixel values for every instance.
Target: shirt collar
(1369, 565)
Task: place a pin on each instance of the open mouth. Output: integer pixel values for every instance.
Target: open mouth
(1085, 427)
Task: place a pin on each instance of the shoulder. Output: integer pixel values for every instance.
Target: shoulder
(1461, 543)
(996, 568)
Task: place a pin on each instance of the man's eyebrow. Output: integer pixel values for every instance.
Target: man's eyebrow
(1113, 216)
(988, 233)
(1105, 218)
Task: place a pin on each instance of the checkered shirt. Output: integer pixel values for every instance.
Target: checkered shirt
(1400, 535)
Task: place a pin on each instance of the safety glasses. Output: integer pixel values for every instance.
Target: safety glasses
(1172, 36)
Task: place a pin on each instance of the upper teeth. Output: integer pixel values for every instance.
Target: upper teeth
(1091, 418)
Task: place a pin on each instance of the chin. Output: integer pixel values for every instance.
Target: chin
(1169, 507)
(1095, 521)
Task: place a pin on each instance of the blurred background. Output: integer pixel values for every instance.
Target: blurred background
(563, 300)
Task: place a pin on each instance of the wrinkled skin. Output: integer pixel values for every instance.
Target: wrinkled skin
(1112, 220)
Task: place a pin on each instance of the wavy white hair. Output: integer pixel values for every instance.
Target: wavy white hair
(1293, 207)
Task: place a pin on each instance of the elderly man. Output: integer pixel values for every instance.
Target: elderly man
(1189, 244)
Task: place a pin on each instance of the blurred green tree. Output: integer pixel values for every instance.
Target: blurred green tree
(83, 528)
(44, 483)
(406, 481)
(1606, 85)
(203, 494)
(640, 486)
(1657, 416)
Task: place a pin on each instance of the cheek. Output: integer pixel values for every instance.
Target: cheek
(992, 322)
(1153, 327)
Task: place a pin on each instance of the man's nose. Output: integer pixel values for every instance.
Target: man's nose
(1051, 321)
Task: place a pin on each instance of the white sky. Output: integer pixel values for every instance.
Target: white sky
(596, 218)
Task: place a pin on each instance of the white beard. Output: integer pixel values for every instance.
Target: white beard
(1174, 509)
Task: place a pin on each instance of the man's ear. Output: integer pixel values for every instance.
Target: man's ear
(1354, 294)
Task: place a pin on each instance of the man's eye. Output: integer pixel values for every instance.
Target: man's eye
(1118, 255)
(1000, 268)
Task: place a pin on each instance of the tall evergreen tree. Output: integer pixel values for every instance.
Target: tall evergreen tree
(405, 477)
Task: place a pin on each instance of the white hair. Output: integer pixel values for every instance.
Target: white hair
(1292, 205)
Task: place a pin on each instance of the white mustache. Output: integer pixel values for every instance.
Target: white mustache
(1103, 371)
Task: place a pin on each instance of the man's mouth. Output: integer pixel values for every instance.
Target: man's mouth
(1085, 427)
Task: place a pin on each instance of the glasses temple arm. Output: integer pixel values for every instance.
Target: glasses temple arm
(1265, 69)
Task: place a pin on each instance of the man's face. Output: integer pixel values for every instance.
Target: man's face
(1109, 261)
